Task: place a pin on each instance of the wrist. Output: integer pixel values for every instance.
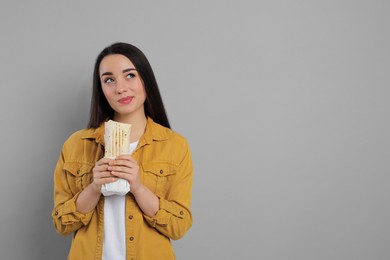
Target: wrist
(136, 191)
(95, 188)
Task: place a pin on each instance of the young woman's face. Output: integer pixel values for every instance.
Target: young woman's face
(122, 86)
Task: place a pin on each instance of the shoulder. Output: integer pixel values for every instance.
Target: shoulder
(163, 133)
(82, 146)
(167, 143)
(178, 139)
(80, 137)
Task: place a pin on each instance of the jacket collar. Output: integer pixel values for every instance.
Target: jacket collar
(153, 132)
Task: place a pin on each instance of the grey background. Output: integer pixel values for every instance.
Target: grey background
(285, 105)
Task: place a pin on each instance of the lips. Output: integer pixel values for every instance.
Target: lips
(125, 100)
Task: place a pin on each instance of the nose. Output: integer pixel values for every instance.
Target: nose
(121, 86)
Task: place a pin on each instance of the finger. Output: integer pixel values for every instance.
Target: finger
(101, 175)
(119, 169)
(103, 161)
(100, 168)
(103, 181)
(123, 169)
(125, 157)
(122, 175)
(122, 162)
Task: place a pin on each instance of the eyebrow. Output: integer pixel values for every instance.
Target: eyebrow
(123, 71)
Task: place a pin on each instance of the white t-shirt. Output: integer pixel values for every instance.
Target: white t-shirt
(114, 243)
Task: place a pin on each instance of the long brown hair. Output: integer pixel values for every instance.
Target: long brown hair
(154, 107)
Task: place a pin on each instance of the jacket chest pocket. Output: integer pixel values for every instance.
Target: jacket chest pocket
(79, 175)
(158, 176)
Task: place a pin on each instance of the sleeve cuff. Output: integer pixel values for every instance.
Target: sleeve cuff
(69, 215)
(166, 211)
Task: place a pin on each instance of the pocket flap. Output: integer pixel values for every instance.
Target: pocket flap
(77, 169)
(159, 168)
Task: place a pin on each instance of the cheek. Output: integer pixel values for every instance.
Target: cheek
(140, 89)
(106, 94)
(105, 90)
(142, 94)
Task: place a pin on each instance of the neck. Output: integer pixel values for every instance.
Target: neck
(138, 124)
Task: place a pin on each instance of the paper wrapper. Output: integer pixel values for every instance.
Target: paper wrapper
(117, 142)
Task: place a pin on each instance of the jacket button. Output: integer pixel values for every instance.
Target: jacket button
(78, 171)
(131, 217)
(161, 171)
(181, 212)
(131, 238)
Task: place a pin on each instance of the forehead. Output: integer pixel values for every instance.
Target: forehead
(115, 62)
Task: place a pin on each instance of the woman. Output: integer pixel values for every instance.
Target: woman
(159, 170)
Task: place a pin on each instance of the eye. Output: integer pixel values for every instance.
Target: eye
(108, 80)
(130, 75)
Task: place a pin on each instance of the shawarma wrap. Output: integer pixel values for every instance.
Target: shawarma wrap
(117, 142)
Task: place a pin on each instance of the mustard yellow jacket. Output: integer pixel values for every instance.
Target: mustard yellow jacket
(165, 168)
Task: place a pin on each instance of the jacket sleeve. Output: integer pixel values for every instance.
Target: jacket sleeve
(64, 215)
(174, 217)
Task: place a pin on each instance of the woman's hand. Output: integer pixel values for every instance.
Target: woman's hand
(101, 174)
(89, 197)
(126, 167)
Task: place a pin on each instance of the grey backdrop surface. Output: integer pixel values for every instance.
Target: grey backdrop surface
(285, 105)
